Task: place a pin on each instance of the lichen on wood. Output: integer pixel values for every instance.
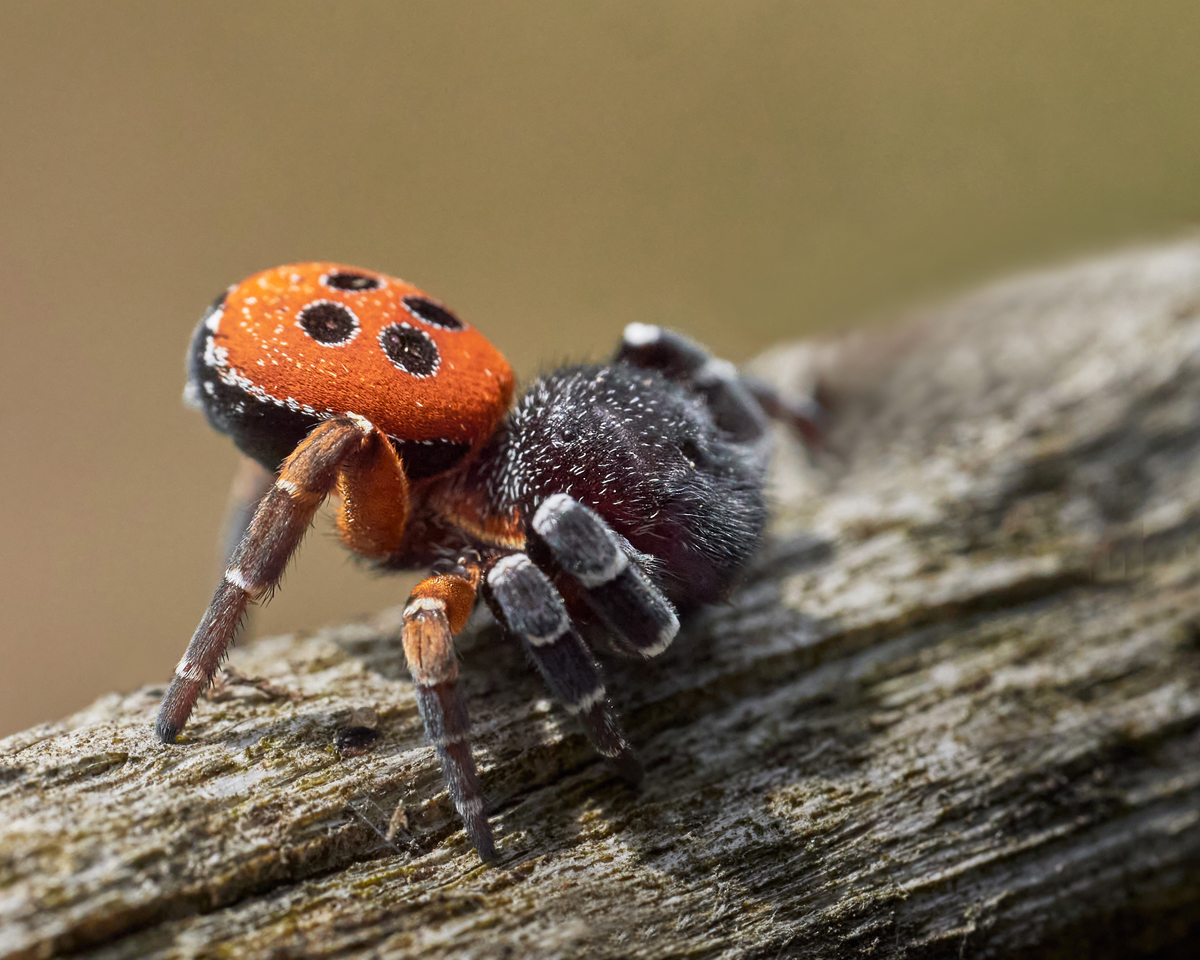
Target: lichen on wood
(953, 709)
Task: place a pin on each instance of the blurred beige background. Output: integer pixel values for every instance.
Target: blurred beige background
(747, 171)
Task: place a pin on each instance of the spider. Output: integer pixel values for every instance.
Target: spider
(608, 496)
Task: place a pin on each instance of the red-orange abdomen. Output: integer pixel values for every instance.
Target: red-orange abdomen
(290, 346)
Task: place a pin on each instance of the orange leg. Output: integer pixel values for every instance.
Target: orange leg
(438, 609)
(280, 521)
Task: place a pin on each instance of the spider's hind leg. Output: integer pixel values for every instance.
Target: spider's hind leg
(631, 607)
(740, 406)
(525, 601)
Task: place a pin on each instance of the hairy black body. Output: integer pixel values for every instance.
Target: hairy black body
(646, 455)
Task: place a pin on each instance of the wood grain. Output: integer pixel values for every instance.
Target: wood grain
(954, 709)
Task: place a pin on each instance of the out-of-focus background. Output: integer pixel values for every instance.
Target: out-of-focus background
(746, 171)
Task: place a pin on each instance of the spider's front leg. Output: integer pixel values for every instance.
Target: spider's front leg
(347, 452)
(630, 606)
(438, 609)
(526, 602)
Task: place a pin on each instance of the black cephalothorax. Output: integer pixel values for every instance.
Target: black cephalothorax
(644, 453)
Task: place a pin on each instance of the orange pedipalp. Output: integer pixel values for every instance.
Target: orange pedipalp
(374, 500)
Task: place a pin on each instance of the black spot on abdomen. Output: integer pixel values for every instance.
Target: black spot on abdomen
(432, 313)
(353, 282)
(329, 323)
(412, 350)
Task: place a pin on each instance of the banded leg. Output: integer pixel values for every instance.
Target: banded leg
(251, 483)
(525, 601)
(739, 406)
(683, 360)
(279, 524)
(438, 609)
(633, 609)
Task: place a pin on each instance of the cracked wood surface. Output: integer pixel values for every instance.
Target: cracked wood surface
(954, 709)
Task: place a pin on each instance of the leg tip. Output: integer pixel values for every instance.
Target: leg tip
(166, 731)
(480, 835)
(486, 848)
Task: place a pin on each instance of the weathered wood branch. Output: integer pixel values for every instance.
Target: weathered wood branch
(953, 711)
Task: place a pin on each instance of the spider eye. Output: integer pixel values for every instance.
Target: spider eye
(354, 282)
(432, 313)
(327, 322)
(412, 350)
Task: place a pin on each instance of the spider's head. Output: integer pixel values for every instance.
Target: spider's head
(289, 347)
